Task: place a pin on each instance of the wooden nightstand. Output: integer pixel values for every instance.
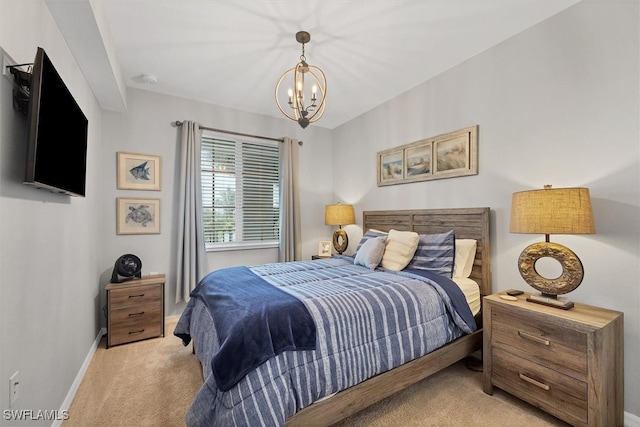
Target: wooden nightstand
(568, 363)
(319, 257)
(135, 309)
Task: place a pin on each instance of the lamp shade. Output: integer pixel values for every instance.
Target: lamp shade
(339, 214)
(552, 211)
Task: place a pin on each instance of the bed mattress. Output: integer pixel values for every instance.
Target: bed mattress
(471, 291)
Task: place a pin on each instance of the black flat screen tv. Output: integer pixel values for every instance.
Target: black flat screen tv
(56, 133)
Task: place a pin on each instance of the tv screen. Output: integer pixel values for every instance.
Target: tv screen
(56, 133)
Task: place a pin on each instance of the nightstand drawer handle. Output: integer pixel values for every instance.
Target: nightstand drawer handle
(136, 332)
(136, 314)
(534, 382)
(136, 296)
(534, 338)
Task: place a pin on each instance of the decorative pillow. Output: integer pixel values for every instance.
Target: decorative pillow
(435, 253)
(465, 255)
(401, 245)
(368, 235)
(370, 253)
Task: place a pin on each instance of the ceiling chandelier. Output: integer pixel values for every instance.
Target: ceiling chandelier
(304, 102)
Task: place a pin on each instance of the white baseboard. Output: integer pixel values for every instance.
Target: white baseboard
(631, 420)
(78, 380)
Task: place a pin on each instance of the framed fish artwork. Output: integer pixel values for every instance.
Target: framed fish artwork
(137, 216)
(138, 171)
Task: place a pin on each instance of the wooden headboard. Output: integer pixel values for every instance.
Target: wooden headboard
(467, 223)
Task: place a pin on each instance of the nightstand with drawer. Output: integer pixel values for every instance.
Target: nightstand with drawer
(135, 309)
(568, 363)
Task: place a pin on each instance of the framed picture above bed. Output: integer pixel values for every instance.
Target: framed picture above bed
(390, 166)
(444, 156)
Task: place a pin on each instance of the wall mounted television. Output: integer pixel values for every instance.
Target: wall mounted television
(56, 133)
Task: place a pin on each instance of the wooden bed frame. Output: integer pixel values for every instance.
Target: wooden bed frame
(467, 223)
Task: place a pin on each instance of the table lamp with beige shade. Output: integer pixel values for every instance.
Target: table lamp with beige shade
(551, 211)
(339, 215)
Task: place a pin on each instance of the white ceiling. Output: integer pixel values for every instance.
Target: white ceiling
(231, 53)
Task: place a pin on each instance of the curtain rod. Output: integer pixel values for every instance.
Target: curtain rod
(178, 123)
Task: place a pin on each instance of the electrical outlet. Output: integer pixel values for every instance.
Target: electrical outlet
(14, 383)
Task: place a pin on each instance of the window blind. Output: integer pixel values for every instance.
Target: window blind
(240, 192)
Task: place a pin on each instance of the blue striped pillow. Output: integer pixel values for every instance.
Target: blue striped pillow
(369, 235)
(435, 253)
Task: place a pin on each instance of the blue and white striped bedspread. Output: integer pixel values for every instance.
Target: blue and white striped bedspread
(367, 322)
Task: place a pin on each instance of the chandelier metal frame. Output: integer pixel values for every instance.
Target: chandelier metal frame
(295, 108)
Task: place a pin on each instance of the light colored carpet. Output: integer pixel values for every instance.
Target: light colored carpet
(146, 383)
(152, 382)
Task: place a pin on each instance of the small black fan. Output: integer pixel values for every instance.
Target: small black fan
(127, 267)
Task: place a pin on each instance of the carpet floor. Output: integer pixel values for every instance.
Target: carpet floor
(152, 382)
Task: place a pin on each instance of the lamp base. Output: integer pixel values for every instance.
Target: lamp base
(551, 300)
(340, 240)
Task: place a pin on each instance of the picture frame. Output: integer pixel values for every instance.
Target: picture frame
(448, 155)
(418, 163)
(137, 216)
(455, 154)
(390, 166)
(324, 248)
(138, 171)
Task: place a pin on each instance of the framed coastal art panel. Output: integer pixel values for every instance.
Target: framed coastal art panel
(418, 161)
(444, 156)
(390, 166)
(456, 154)
(138, 171)
(137, 216)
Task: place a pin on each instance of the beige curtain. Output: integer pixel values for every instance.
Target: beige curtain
(290, 246)
(192, 254)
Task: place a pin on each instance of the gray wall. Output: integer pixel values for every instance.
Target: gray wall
(556, 104)
(147, 128)
(50, 245)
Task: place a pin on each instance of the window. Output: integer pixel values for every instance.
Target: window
(240, 193)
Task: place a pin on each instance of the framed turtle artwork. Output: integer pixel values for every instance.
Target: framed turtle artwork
(137, 216)
(138, 171)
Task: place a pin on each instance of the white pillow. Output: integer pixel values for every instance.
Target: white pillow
(401, 245)
(465, 255)
(370, 253)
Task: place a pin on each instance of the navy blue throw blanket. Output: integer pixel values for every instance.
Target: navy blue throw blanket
(254, 320)
(455, 294)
